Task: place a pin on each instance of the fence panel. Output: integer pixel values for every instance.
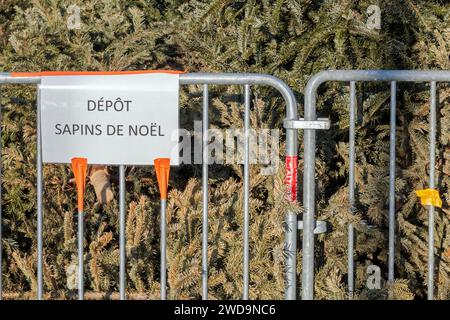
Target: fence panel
(353, 76)
(204, 79)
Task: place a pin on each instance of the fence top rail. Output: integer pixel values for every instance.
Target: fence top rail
(198, 78)
(377, 75)
(366, 75)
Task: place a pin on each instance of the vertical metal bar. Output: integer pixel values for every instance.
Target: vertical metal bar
(39, 198)
(1, 217)
(122, 240)
(309, 141)
(351, 186)
(433, 121)
(290, 244)
(246, 190)
(80, 255)
(290, 241)
(205, 194)
(392, 181)
(163, 266)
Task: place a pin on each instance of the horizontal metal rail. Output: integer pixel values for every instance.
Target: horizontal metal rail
(352, 76)
(205, 79)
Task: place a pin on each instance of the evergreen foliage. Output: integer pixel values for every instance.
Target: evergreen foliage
(291, 39)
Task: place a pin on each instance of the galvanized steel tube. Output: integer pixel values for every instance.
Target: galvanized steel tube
(163, 249)
(246, 190)
(80, 255)
(1, 217)
(205, 163)
(392, 139)
(122, 230)
(351, 189)
(40, 282)
(433, 123)
(309, 142)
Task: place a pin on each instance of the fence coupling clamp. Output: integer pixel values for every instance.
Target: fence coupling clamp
(321, 226)
(319, 124)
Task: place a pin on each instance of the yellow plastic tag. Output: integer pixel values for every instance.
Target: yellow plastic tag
(429, 197)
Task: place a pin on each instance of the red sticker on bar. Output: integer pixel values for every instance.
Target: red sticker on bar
(291, 176)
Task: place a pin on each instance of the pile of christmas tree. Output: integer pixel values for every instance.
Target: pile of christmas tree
(289, 39)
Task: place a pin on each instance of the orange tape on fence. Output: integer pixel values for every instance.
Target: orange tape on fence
(162, 168)
(429, 197)
(90, 73)
(79, 168)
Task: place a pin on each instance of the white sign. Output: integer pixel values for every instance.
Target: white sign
(110, 119)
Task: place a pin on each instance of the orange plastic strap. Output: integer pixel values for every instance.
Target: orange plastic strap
(429, 197)
(90, 73)
(162, 168)
(79, 168)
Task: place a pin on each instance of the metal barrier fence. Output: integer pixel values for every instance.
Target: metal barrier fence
(310, 124)
(353, 76)
(204, 79)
